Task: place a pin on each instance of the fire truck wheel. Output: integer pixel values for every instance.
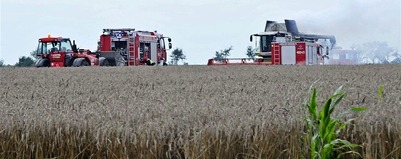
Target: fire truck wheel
(120, 63)
(42, 63)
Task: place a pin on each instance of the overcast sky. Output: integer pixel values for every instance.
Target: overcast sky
(198, 27)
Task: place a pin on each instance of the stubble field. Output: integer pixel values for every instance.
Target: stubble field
(189, 112)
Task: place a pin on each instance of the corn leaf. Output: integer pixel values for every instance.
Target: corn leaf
(380, 93)
(358, 109)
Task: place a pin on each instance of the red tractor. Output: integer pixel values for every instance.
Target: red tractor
(59, 52)
(128, 47)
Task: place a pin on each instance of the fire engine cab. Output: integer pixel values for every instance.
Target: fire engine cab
(128, 47)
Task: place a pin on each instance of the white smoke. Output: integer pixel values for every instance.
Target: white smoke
(355, 22)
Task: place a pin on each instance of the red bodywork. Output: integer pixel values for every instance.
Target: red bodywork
(57, 59)
(300, 57)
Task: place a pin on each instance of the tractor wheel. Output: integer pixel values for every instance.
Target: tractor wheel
(77, 62)
(85, 63)
(80, 62)
(42, 63)
(103, 62)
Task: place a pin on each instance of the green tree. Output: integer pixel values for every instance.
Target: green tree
(25, 61)
(250, 52)
(176, 56)
(223, 54)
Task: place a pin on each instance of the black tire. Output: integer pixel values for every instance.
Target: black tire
(76, 62)
(42, 63)
(85, 63)
(103, 61)
(80, 62)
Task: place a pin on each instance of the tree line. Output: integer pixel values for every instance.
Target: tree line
(23, 61)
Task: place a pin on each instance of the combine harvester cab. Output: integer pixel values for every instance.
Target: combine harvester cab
(128, 47)
(59, 52)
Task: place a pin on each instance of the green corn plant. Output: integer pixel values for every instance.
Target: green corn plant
(380, 93)
(323, 130)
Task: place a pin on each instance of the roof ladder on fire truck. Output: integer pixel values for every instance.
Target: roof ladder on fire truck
(131, 49)
(276, 55)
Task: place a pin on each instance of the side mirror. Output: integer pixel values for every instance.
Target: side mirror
(170, 46)
(169, 39)
(74, 47)
(251, 38)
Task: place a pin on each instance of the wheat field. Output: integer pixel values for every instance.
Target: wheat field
(194, 112)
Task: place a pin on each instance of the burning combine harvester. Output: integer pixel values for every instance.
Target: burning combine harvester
(283, 44)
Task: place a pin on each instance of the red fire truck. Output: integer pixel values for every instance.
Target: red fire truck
(129, 47)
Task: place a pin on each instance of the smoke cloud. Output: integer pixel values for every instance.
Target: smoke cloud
(355, 22)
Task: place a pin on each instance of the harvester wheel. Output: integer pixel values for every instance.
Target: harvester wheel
(42, 63)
